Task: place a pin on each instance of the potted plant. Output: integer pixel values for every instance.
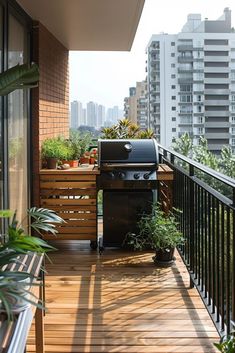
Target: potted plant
(55, 149)
(93, 155)
(75, 145)
(14, 285)
(125, 129)
(81, 143)
(157, 231)
(227, 343)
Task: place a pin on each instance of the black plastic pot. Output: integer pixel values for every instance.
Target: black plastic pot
(164, 257)
(52, 163)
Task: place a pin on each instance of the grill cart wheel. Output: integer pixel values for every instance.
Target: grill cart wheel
(93, 244)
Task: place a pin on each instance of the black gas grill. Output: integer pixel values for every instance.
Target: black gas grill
(129, 181)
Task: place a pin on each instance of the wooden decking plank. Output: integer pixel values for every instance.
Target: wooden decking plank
(120, 302)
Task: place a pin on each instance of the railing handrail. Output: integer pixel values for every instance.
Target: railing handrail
(212, 172)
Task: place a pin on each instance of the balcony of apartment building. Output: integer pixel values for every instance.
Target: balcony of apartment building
(119, 301)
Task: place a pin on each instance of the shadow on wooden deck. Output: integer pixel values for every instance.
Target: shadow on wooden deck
(121, 302)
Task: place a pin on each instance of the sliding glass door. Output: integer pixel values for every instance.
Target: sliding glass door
(17, 124)
(15, 27)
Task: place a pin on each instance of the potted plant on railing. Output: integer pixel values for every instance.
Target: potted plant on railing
(14, 285)
(157, 231)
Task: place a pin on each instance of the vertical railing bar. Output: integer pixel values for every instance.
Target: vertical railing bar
(198, 235)
(206, 244)
(213, 256)
(228, 276)
(209, 249)
(222, 268)
(195, 233)
(202, 239)
(233, 261)
(191, 196)
(217, 256)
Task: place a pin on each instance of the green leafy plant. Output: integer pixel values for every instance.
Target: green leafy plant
(19, 77)
(226, 344)
(56, 147)
(17, 242)
(75, 143)
(126, 129)
(156, 231)
(80, 141)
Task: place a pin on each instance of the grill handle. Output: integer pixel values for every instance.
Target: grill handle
(128, 165)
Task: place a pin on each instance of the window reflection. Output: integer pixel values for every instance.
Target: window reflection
(17, 125)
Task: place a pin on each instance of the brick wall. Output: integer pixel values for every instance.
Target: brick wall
(50, 101)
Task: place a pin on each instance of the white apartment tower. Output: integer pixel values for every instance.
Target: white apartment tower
(191, 82)
(74, 115)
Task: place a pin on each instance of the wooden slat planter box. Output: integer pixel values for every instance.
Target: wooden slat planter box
(73, 195)
(165, 178)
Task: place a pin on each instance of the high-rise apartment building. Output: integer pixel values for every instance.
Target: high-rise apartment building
(74, 115)
(191, 82)
(135, 106)
(113, 114)
(100, 116)
(92, 114)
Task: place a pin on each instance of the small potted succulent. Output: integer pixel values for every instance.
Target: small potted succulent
(157, 231)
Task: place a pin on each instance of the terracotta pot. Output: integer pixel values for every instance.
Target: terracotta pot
(72, 163)
(52, 163)
(84, 160)
(92, 160)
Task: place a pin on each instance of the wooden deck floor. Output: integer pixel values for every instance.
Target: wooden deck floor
(121, 302)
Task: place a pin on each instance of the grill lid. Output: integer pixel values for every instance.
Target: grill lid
(133, 151)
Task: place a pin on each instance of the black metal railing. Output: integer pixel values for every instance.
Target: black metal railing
(207, 221)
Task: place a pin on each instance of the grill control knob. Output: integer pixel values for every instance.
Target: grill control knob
(136, 176)
(128, 147)
(111, 175)
(146, 176)
(121, 175)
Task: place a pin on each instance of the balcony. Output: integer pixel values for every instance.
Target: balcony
(133, 304)
(119, 301)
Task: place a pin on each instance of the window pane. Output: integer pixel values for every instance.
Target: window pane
(17, 126)
(1, 118)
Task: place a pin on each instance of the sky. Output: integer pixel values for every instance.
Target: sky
(105, 77)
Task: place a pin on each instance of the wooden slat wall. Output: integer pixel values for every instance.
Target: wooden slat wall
(165, 178)
(73, 197)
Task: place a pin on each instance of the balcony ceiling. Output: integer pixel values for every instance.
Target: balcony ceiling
(88, 24)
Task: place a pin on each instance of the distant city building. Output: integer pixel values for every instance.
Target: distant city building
(100, 116)
(92, 114)
(135, 106)
(191, 82)
(80, 114)
(74, 115)
(113, 115)
(84, 119)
